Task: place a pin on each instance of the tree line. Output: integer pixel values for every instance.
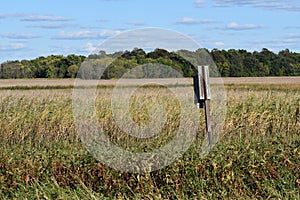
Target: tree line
(230, 63)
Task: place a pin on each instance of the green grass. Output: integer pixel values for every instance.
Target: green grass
(257, 156)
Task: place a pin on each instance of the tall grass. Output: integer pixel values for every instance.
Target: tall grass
(257, 156)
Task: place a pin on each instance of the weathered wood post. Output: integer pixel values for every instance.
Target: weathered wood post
(203, 96)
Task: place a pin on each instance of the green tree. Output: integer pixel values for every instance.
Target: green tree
(72, 71)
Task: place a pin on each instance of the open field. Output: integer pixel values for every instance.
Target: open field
(5, 83)
(257, 155)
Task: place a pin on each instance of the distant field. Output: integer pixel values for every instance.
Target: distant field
(263, 80)
(5, 83)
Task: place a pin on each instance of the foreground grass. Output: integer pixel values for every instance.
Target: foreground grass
(258, 154)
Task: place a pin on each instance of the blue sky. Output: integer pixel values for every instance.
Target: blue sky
(35, 28)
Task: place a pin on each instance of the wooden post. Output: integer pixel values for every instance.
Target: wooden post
(203, 96)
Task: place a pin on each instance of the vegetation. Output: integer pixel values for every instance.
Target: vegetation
(257, 156)
(231, 63)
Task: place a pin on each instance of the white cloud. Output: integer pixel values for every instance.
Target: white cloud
(89, 47)
(108, 33)
(219, 44)
(37, 18)
(239, 27)
(34, 18)
(90, 27)
(12, 47)
(293, 36)
(48, 26)
(288, 5)
(79, 35)
(199, 3)
(76, 35)
(191, 21)
(18, 36)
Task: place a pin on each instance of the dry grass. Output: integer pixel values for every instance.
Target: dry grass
(263, 80)
(70, 82)
(257, 156)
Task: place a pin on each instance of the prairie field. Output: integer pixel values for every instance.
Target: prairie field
(11, 83)
(257, 155)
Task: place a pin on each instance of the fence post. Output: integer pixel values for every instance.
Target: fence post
(202, 97)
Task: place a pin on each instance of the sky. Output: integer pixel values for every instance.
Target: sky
(33, 28)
